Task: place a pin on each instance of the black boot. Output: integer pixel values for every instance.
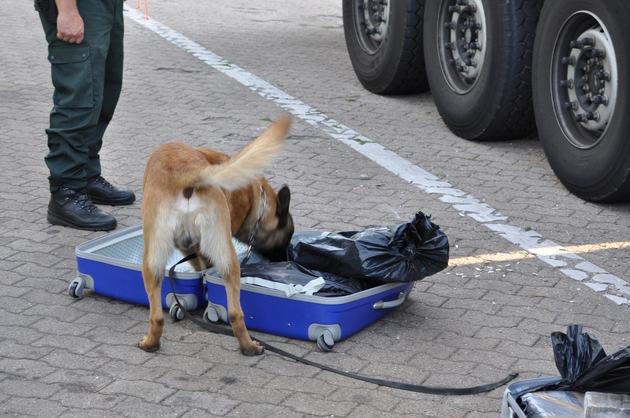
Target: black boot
(73, 208)
(103, 192)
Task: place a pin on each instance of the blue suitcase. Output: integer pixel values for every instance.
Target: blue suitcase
(111, 265)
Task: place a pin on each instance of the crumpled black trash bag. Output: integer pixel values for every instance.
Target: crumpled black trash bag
(584, 365)
(575, 351)
(292, 273)
(407, 252)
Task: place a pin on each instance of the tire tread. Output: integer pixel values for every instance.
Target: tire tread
(518, 120)
(410, 76)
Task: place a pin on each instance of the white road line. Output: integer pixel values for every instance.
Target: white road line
(570, 264)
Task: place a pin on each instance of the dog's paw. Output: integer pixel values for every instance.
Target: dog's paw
(146, 346)
(254, 350)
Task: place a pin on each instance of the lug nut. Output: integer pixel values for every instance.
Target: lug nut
(585, 117)
(598, 53)
(581, 43)
(598, 100)
(571, 60)
(604, 75)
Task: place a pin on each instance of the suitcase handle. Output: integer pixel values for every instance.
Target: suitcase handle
(392, 303)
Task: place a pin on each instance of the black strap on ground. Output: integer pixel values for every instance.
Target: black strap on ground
(434, 390)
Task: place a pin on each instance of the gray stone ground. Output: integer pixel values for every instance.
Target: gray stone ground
(467, 325)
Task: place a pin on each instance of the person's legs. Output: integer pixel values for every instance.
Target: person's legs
(107, 41)
(108, 47)
(74, 104)
(87, 81)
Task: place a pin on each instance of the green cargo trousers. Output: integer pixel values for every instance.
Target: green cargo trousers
(87, 78)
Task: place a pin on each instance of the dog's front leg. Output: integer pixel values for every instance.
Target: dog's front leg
(153, 286)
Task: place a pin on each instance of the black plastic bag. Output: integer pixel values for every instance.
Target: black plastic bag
(292, 273)
(584, 365)
(407, 252)
(575, 351)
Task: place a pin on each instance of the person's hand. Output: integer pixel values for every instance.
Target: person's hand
(69, 24)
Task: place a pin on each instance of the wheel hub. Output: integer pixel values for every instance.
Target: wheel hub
(590, 83)
(374, 18)
(465, 38)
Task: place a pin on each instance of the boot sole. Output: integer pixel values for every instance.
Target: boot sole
(58, 220)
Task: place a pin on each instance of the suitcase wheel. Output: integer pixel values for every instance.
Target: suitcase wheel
(176, 312)
(325, 341)
(75, 289)
(211, 315)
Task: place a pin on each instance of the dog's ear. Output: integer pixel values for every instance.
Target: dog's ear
(283, 199)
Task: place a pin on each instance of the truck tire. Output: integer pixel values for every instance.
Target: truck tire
(582, 96)
(479, 56)
(384, 41)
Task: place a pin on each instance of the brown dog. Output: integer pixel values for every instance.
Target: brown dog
(196, 200)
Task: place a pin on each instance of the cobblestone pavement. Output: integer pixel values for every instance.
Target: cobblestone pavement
(480, 319)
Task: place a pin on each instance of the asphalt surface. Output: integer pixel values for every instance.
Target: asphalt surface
(527, 257)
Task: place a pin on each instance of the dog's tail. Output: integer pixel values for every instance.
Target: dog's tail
(249, 163)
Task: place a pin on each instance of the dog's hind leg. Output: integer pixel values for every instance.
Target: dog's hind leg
(153, 266)
(216, 245)
(232, 278)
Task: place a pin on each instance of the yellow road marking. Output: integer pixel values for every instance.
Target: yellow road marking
(535, 252)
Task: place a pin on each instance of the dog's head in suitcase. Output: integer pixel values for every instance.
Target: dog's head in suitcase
(274, 231)
(196, 200)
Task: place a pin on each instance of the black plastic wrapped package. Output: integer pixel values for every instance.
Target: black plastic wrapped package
(404, 253)
(291, 273)
(575, 352)
(584, 365)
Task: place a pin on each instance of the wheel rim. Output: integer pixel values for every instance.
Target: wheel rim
(462, 41)
(584, 79)
(373, 16)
